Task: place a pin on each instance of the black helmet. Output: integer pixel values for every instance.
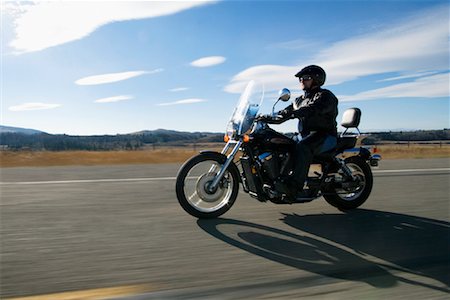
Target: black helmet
(317, 73)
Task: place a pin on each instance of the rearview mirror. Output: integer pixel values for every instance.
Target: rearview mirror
(284, 95)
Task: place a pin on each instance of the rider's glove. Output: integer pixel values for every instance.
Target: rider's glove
(285, 113)
(264, 118)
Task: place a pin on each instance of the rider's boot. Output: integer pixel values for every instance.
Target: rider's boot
(290, 188)
(294, 191)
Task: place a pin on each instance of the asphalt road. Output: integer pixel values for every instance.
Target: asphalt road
(118, 232)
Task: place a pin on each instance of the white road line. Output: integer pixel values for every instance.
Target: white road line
(89, 181)
(410, 170)
(174, 178)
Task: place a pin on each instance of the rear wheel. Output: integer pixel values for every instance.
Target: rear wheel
(193, 186)
(351, 194)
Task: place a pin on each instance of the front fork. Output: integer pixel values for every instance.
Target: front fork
(234, 145)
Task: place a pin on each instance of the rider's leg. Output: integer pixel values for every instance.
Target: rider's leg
(305, 151)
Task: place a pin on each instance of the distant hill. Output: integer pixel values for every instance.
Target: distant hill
(19, 139)
(374, 138)
(23, 139)
(10, 129)
(167, 136)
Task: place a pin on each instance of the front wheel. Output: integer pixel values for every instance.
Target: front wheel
(352, 194)
(193, 186)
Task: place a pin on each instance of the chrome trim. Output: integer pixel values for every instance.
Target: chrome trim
(376, 156)
(230, 158)
(284, 95)
(227, 146)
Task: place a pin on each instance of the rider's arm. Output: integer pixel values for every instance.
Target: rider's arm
(323, 102)
(279, 117)
(287, 113)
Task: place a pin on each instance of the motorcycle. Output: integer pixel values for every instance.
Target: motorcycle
(207, 185)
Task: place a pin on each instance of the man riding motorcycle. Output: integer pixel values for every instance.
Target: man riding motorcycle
(271, 166)
(316, 111)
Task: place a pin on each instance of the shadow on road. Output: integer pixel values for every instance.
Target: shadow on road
(336, 245)
(413, 244)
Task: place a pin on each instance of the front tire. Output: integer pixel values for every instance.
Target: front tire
(193, 180)
(352, 197)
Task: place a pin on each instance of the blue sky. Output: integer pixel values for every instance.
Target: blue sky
(111, 67)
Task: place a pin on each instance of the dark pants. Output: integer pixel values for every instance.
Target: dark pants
(310, 145)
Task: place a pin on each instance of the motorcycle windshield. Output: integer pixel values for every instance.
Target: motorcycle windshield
(246, 110)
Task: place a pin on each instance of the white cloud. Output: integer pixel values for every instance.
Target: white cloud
(419, 44)
(33, 106)
(184, 101)
(208, 61)
(426, 87)
(272, 76)
(407, 76)
(40, 25)
(179, 89)
(113, 99)
(113, 77)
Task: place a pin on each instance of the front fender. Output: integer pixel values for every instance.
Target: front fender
(213, 152)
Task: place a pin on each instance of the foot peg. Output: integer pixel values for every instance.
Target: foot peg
(272, 193)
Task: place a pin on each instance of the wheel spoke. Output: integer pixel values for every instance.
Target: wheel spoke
(202, 199)
(350, 194)
(192, 196)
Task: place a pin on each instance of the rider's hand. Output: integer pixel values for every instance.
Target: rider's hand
(285, 113)
(264, 118)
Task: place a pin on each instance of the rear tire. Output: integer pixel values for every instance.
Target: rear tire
(351, 198)
(193, 179)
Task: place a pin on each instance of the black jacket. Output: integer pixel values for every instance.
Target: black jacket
(316, 110)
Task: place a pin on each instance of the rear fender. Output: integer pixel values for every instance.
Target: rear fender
(365, 154)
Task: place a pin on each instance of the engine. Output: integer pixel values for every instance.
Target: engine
(275, 164)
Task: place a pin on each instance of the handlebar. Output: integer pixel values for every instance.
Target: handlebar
(274, 119)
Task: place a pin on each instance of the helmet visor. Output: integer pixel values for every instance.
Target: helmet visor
(304, 78)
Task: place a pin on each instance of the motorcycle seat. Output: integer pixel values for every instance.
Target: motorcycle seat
(351, 119)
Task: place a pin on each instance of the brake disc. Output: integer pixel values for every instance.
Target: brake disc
(203, 191)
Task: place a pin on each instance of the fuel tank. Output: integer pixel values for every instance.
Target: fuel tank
(271, 140)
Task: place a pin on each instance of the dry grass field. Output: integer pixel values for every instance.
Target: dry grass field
(175, 155)
(414, 151)
(89, 158)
